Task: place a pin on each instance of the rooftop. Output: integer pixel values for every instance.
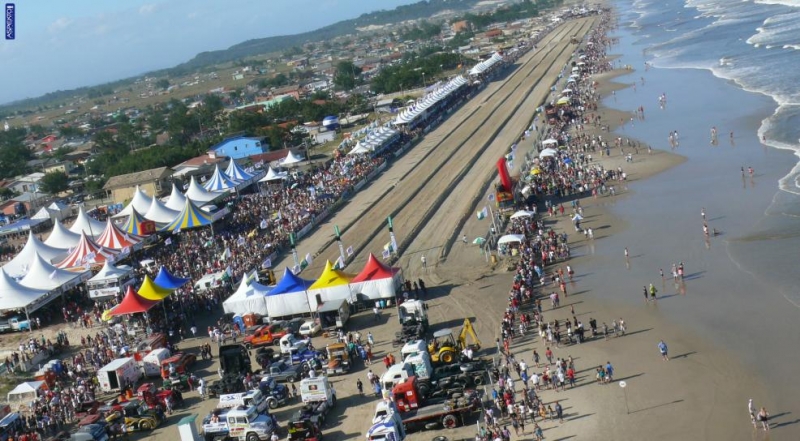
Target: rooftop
(131, 179)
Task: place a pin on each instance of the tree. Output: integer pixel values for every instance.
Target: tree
(54, 183)
(346, 78)
(14, 155)
(163, 84)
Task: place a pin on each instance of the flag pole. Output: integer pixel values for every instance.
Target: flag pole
(341, 246)
(392, 237)
(294, 249)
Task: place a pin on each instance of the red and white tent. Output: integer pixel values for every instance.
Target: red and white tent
(376, 281)
(113, 237)
(87, 252)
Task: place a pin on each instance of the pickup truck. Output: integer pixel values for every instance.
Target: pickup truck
(265, 335)
(242, 424)
(14, 324)
(282, 371)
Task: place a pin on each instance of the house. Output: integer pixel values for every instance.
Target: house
(65, 167)
(200, 165)
(28, 183)
(153, 182)
(322, 137)
(239, 147)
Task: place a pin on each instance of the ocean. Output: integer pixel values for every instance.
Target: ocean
(735, 66)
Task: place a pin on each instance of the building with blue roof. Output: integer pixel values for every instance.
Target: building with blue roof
(240, 147)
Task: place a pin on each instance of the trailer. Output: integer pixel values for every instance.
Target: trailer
(118, 374)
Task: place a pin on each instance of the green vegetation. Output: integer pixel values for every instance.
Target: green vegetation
(414, 72)
(512, 12)
(425, 31)
(54, 183)
(13, 153)
(347, 76)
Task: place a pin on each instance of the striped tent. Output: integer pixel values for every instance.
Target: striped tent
(198, 194)
(219, 182)
(190, 217)
(87, 253)
(134, 224)
(159, 213)
(113, 237)
(234, 171)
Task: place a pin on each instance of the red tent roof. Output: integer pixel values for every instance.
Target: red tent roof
(374, 270)
(132, 303)
(87, 251)
(115, 238)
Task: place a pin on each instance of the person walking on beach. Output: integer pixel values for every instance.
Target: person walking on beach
(751, 409)
(424, 262)
(653, 292)
(662, 347)
(646, 297)
(763, 416)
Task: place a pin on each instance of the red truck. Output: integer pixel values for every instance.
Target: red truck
(265, 335)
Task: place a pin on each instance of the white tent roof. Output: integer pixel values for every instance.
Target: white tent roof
(176, 199)
(109, 271)
(198, 194)
(272, 175)
(45, 276)
(509, 238)
(247, 299)
(219, 181)
(25, 391)
(140, 201)
(93, 228)
(46, 213)
(14, 295)
(159, 213)
(292, 158)
(522, 213)
(547, 152)
(61, 237)
(21, 263)
(234, 171)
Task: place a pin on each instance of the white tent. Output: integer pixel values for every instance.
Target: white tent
(547, 152)
(272, 175)
(21, 263)
(249, 298)
(140, 202)
(550, 141)
(106, 283)
(292, 158)
(159, 213)
(43, 275)
(61, 237)
(198, 194)
(511, 238)
(14, 295)
(92, 227)
(44, 213)
(55, 211)
(25, 392)
(110, 272)
(176, 199)
(522, 213)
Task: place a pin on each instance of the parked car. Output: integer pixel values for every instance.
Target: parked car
(310, 329)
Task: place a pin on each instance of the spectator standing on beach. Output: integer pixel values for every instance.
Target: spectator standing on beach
(662, 347)
(763, 416)
(751, 409)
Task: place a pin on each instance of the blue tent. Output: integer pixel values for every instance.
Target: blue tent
(289, 296)
(166, 280)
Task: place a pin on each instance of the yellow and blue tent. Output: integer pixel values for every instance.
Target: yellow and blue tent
(150, 291)
(134, 223)
(190, 217)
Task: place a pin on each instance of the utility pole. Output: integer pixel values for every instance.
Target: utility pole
(294, 250)
(339, 241)
(391, 235)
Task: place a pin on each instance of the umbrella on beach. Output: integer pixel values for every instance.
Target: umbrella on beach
(479, 241)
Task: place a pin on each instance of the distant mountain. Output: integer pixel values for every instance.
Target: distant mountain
(258, 46)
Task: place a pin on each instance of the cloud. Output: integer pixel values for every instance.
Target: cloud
(59, 25)
(147, 9)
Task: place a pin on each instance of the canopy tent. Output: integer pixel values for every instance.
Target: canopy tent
(220, 182)
(61, 237)
(117, 239)
(522, 213)
(26, 392)
(176, 199)
(14, 295)
(19, 265)
(250, 297)
(87, 252)
(139, 202)
(45, 276)
(550, 141)
(292, 158)
(418, 109)
(151, 291)
(331, 285)
(166, 280)
(548, 152)
(235, 172)
(111, 272)
(288, 296)
(132, 303)
(84, 223)
(485, 65)
(376, 280)
(20, 226)
(198, 194)
(511, 238)
(134, 224)
(46, 213)
(190, 217)
(562, 101)
(159, 213)
(272, 175)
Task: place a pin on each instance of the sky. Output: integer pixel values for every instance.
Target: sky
(62, 45)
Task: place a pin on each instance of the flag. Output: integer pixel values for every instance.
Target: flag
(176, 231)
(267, 263)
(264, 224)
(168, 241)
(225, 254)
(386, 254)
(296, 269)
(252, 233)
(303, 264)
(125, 251)
(229, 271)
(208, 243)
(339, 263)
(53, 275)
(309, 259)
(394, 244)
(240, 241)
(482, 214)
(490, 197)
(350, 251)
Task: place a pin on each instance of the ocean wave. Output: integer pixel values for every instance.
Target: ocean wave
(790, 3)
